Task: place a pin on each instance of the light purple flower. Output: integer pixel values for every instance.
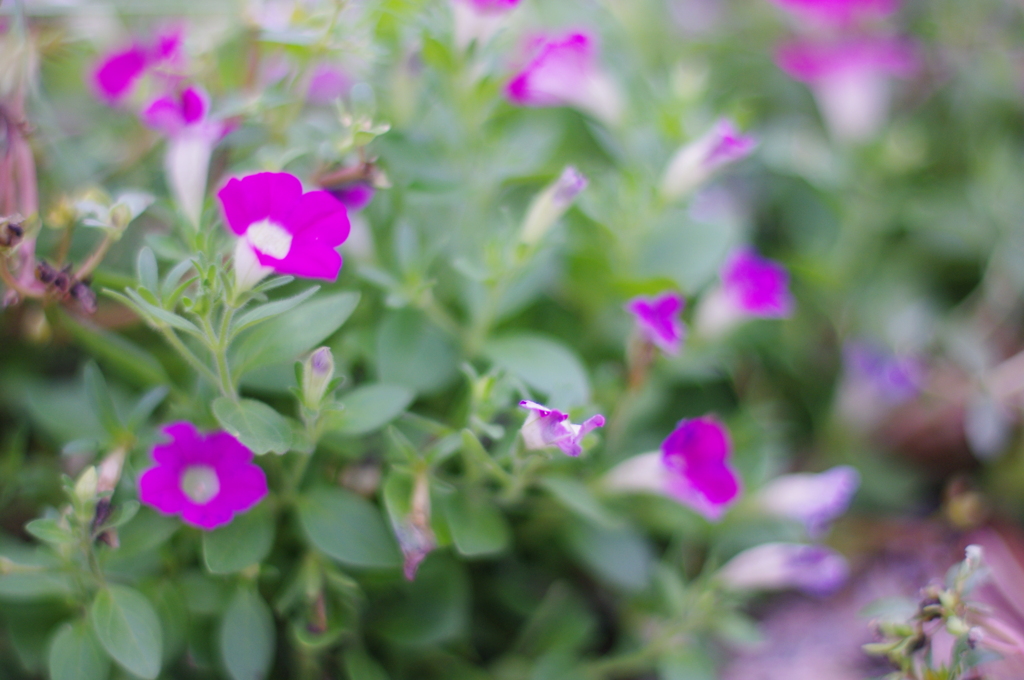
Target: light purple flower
(326, 83)
(206, 479)
(283, 229)
(563, 71)
(692, 468)
(893, 379)
(812, 499)
(478, 20)
(838, 13)
(546, 427)
(657, 320)
(549, 205)
(695, 163)
(118, 72)
(813, 569)
(850, 80)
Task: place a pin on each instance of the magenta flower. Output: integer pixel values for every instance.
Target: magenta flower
(491, 6)
(546, 427)
(563, 71)
(206, 479)
(814, 500)
(813, 569)
(692, 468)
(657, 320)
(282, 229)
(850, 80)
(118, 72)
(696, 162)
(757, 286)
(838, 13)
(173, 112)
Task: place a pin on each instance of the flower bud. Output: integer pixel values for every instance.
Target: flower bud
(85, 487)
(317, 373)
(696, 162)
(549, 205)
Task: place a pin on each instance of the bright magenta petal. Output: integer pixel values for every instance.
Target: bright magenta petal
(118, 72)
(160, 487)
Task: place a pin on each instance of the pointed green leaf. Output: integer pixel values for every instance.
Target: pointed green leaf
(256, 425)
(128, 628)
(270, 310)
(75, 654)
(477, 526)
(243, 542)
(247, 636)
(346, 527)
(369, 408)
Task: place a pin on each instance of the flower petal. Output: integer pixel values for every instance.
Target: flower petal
(117, 73)
(160, 487)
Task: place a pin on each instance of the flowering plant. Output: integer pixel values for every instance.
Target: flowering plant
(514, 339)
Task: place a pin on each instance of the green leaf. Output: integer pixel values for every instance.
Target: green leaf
(75, 654)
(50, 531)
(575, 496)
(619, 556)
(100, 400)
(173, 281)
(163, 316)
(145, 406)
(295, 332)
(123, 513)
(369, 408)
(360, 666)
(116, 352)
(256, 425)
(245, 541)
(434, 608)
(247, 636)
(348, 528)
(477, 526)
(128, 628)
(34, 585)
(686, 251)
(146, 269)
(545, 365)
(686, 663)
(271, 309)
(412, 351)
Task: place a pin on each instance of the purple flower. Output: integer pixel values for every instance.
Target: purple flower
(549, 205)
(838, 13)
(118, 72)
(546, 427)
(204, 478)
(812, 499)
(892, 378)
(354, 196)
(657, 320)
(850, 80)
(813, 569)
(478, 20)
(282, 229)
(173, 112)
(692, 468)
(327, 83)
(695, 163)
(563, 71)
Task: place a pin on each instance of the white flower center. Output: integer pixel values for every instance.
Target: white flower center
(200, 483)
(269, 238)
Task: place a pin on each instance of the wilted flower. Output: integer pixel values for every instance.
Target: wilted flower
(696, 162)
(657, 320)
(479, 20)
(415, 535)
(206, 479)
(183, 117)
(814, 569)
(354, 196)
(551, 203)
(692, 468)
(751, 287)
(563, 71)
(118, 72)
(850, 80)
(812, 499)
(282, 229)
(546, 427)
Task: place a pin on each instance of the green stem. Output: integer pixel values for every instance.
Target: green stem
(174, 341)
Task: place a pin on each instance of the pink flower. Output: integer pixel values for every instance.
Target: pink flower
(850, 80)
(811, 499)
(204, 478)
(692, 468)
(657, 320)
(838, 13)
(478, 20)
(173, 112)
(813, 569)
(563, 71)
(282, 229)
(327, 83)
(546, 427)
(118, 72)
(696, 162)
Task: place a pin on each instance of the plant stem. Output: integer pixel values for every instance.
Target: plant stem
(174, 341)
